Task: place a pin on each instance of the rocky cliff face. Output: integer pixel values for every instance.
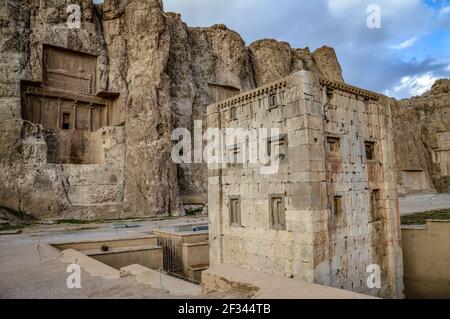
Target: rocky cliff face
(272, 60)
(162, 70)
(422, 127)
(28, 183)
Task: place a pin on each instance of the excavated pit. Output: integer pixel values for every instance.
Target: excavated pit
(181, 251)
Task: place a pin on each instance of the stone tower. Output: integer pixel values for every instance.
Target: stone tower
(329, 211)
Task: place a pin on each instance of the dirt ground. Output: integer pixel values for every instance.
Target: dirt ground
(29, 268)
(412, 204)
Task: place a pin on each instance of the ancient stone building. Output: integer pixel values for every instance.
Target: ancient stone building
(68, 120)
(67, 107)
(331, 208)
(85, 123)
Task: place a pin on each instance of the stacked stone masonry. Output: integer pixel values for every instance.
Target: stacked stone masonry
(319, 242)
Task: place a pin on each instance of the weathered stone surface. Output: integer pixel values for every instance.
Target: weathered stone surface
(29, 183)
(217, 56)
(156, 73)
(7, 219)
(271, 60)
(150, 175)
(328, 64)
(422, 127)
(441, 86)
(329, 208)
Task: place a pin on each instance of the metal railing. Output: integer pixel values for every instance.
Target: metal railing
(171, 255)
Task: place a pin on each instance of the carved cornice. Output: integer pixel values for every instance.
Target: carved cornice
(349, 88)
(250, 95)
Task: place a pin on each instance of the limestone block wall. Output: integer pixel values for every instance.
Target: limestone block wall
(255, 245)
(318, 244)
(368, 230)
(426, 252)
(195, 259)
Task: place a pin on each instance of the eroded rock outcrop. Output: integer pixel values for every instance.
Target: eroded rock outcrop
(28, 183)
(422, 126)
(272, 60)
(200, 57)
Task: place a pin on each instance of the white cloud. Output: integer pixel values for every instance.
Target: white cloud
(406, 44)
(341, 24)
(413, 85)
(443, 17)
(339, 7)
(444, 11)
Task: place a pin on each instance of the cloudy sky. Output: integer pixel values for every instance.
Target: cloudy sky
(402, 58)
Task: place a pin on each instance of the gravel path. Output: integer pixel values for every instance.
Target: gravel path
(412, 204)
